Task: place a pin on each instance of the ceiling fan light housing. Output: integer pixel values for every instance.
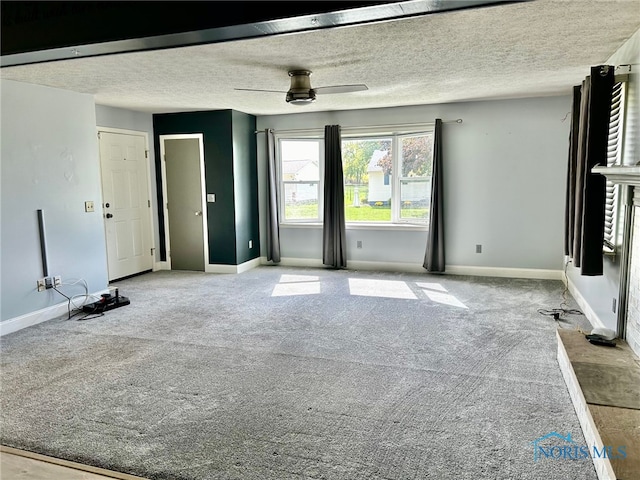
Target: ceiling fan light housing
(301, 97)
(300, 91)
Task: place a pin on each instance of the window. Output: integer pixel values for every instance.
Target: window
(387, 177)
(415, 183)
(365, 164)
(300, 179)
(614, 157)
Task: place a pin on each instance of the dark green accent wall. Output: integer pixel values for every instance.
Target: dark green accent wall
(225, 145)
(245, 178)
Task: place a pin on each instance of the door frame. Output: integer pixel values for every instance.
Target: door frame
(203, 194)
(145, 135)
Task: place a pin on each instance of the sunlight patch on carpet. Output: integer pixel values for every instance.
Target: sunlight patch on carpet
(297, 285)
(299, 278)
(380, 288)
(437, 293)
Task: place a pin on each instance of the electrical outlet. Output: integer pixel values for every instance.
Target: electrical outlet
(478, 248)
(57, 281)
(42, 286)
(88, 206)
(359, 244)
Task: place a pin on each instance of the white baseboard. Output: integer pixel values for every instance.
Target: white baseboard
(39, 316)
(589, 312)
(243, 267)
(295, 262)
(161, 266)
(351, 264)
(385, 266)
(217, 268)
(534, 273)
(248, 265)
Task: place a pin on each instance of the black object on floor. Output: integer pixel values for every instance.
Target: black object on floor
(107, 302)
(600, 340)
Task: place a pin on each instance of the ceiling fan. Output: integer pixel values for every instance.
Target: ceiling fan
(300, 91)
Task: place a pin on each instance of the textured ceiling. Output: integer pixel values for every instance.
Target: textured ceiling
(526, 49)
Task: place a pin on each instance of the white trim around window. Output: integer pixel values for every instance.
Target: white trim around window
(300, 180)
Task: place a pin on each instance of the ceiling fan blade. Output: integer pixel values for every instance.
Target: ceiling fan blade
(341, 89)
(258, 90)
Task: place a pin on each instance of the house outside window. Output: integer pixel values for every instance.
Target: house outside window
(300, 179)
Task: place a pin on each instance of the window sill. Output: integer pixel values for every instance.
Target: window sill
(363, 226)
(387, 226)
(301, 225)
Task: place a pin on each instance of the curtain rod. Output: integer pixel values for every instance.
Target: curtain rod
(404, 125)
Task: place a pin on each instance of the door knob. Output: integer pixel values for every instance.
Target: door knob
(108, 215)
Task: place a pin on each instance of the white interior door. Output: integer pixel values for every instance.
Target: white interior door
(126, 204)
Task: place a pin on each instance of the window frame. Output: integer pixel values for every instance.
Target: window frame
(398, 202)
(395, 181)
(373, 136)
(282, 182)
(353, 133)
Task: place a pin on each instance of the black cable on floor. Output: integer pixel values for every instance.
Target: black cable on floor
(68, 301)
(559, 313)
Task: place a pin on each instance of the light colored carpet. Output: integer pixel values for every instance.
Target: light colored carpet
(291, 373)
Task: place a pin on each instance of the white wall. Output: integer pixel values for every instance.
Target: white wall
(504, 180)
(139, 122)
(49, 161)
(599, 292)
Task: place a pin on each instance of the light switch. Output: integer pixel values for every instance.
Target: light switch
(211, 197)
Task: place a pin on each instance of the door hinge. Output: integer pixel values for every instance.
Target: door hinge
(152, 251)
(98, 134)
(149, 203)
(146, 154)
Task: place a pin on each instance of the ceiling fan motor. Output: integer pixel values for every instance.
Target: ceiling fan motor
(300, 91)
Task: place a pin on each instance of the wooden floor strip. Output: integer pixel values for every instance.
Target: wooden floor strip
(73, 465)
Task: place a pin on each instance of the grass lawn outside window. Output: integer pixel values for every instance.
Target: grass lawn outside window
(363, 213)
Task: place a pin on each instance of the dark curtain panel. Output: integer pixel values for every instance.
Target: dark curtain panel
(589, 193)
(580, 169)
(273, 217)
(434, 256)
(334, 238)
(570, 206)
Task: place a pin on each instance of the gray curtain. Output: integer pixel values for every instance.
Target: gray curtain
(334, 238)
(586, 191)
(570, 205)
(273, 217)
(434, 256)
